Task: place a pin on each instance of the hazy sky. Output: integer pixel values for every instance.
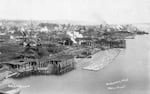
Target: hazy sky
(112, 11)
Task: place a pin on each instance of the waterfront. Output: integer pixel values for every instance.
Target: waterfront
(133, 64)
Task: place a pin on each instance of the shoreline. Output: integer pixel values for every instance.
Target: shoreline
(106, 56)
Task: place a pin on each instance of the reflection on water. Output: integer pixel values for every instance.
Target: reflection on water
(116, 87)
(132, 64)
(117, 82)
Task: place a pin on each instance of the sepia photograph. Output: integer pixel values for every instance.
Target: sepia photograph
(74, 47)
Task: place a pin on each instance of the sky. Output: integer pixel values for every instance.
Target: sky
(90, 11)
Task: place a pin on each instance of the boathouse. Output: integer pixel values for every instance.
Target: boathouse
(46, 65)
(87, 41)
(63, 64)
(22, 65)
(112, 43)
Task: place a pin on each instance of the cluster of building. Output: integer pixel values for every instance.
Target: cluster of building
(47, 48)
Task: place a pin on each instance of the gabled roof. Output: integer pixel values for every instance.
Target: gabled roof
(19, 61)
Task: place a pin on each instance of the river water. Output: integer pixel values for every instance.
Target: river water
(131, 64)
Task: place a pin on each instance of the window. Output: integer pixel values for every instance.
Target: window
(33, 63)
(51, 62)
(56, 62)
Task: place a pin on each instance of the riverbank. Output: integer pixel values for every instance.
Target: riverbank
(105, 57)
(133, 64)
(99, 60)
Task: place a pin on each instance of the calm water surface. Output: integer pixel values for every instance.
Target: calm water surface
(132, 63)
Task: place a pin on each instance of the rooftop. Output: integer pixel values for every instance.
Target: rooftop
(63, 57)
(19, 61)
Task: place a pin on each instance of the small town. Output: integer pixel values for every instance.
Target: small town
(74, 46)
(30, 48)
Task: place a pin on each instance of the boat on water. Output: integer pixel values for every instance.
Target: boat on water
(6, 74)
(9, 88)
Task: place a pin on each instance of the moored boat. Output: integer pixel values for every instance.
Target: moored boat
(9, 88)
